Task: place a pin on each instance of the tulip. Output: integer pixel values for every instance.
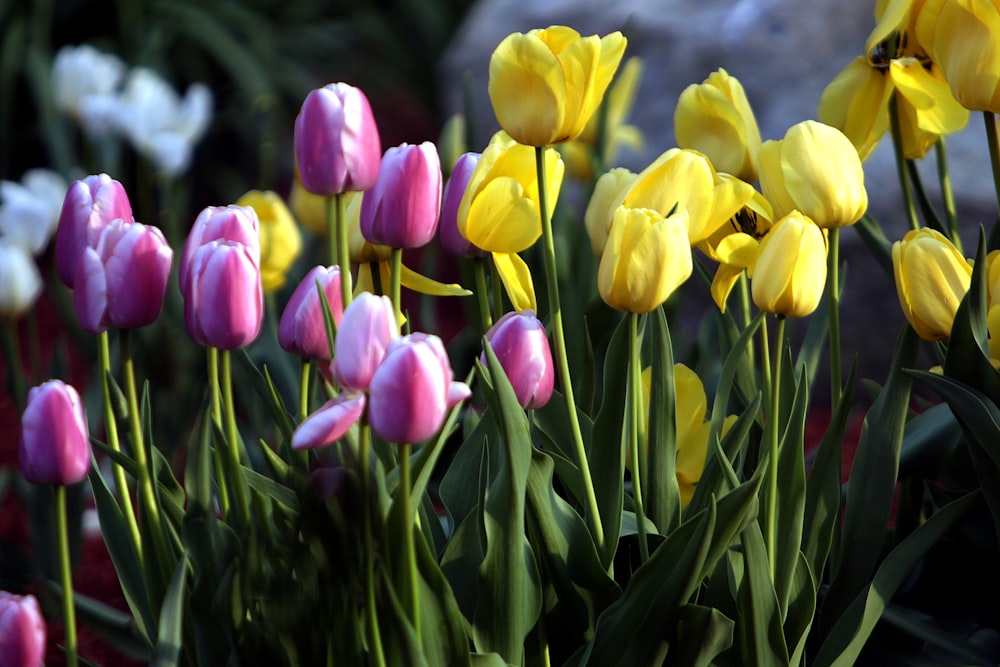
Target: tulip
(90, 204)
(20, 281)
(366, 329)
(815, 169)
(309, 209)
(122, 279)
(647, 257)
(330, 422)
(454, 191)
(55, 445)
(521, 346)
(715, 118)
(789, 273)
(927, 108)
(856, 102)
(302, 329)
(84, 86)
(932, 277)
(22, 631)
(238, 224)
(608, 192)
(401, 210)
(412, 390)
(360, 249)
(499, 211)
(546, 84)
(29, 210)
(280, 240)
(223, 297)
(337, 145)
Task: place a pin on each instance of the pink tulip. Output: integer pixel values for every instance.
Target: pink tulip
(22, 631)
(337, 147)
(221, 223)
(402, 208)
(366, 330)
(121, 280)
(412, 390)
(454, 190)
(90, 204)
(522, 348)
(55, 445)
(330, 422)
(223, 297)
(302, 329)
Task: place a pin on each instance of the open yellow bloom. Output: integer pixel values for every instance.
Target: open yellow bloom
(815, 169)
(789, 272)
(646, 258)
(546, 84)
(715, 118)
(932, 277)
(856, 102)
(927, 108)
(280, 240)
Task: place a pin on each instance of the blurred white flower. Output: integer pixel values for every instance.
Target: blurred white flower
(20, 281)
(160, 124)
(85, 83)
(29, 210)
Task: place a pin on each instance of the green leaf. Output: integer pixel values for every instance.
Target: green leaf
(719, 460)
(762, 636)
(271, 489)
(168, 645)
(114, 626)
(662, 493)
(445, 640)
(801, 610)
(873, 236)
(702, 634)
(117, 457)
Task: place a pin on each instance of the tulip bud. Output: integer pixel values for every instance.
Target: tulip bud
(302, 329)
(337, 146)
(454, 190)
(366, 330)
(522, 348)
(238, 224)
(55, 445)
(401, 210)
(412, 390)
(932, 278)
(22, 631)
(223, 298)
(608, 193)
(790, 270)
(280, 240)
(121, 280)
(20, 282)
(90, 204)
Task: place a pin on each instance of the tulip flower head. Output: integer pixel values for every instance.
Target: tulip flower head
(337, 146)
(90, 204)
(522, 348)
(121, 280)
(280, 240)
(789, 273)
(238, 224)
(546, 84)
(22, 631)
(302, 329)
(366, 329)
(608, 193)
(55, 444)
(85, 83)
(454, 192)
(20, 281)
(932, 277)
(401, 209)
(29, 210)
(223, 296)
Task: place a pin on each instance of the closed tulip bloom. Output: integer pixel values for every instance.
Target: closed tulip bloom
(932, 278)
(360, 249)
(454, 191)
(715, 118)
(337, 146)
(522, 348)
(790, 270)
(647, 257)
(22, 631)
(856, 102)
(223, 298)
(366, 329)
(608, 193)
(55, 444)
(546, 84)
(815, 169)
(238, 224)
(401, 210)
(413, 389)
(90, 204)
(302, 329)
(121, 280)
(20, 281)
(280, 240)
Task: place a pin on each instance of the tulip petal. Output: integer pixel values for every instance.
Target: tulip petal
(420, 283)
(527, 88)
(938, 111)
(502, 219)
(517, 282)
(330, 422)
(90, 292)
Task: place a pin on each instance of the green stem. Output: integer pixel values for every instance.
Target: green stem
(375, 637)
(635, 408)
(765, 357)
(66, 574)
(497, 287)
(336, 234)
(482, 298)
(304, 382)
(395, 278)
(412, 592)
(216, 392)
(562, 362)
(944, 178)
(897, 146)
(833, 282)
(991, 136)
(111, 426)
(772, 426)
(233, 437)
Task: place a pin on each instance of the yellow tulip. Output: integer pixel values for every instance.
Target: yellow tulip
(815, 169)
(499, 211)
(926, 105)
(309, 209)
(715, 118)
(546, 84)
(856, 102)
(608, 193)
(646, 258)
(932, 277)
(993, 327)
(789, 272)
(280, 240)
